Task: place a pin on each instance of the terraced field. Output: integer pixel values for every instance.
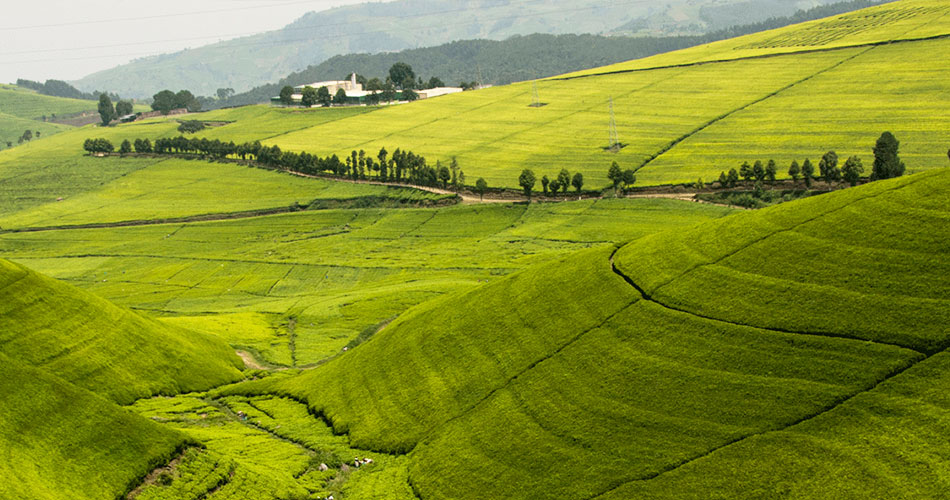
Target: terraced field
(296, 288)
(635, 381)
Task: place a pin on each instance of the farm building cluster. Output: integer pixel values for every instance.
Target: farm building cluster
(355, 95)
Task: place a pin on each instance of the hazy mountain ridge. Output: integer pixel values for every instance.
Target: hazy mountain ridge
(245, 62)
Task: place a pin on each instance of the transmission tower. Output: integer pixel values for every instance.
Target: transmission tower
(536, 103)
(614, 141)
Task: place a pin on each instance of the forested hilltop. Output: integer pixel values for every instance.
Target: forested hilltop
(520, 57)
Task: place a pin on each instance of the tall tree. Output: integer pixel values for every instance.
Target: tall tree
(287, 95)
(615, 174)
(444, 176)
(746, 171)
(828, 167)
(771, 169)
(578, 182)
(564, 179)
(887, 162)
(852, 170)
(106, 111)
(808, 172)
(309, 96)
(402, 75)
(544, 184)
(794, 170)
(480, 187)
(526, 180)
(733, 177)
(340, 97)
(758, 170)
(629, 178)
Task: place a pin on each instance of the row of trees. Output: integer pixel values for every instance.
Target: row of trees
(400, 166)
(550, 186)
(887, 164)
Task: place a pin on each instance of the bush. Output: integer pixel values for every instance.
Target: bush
(191, 126)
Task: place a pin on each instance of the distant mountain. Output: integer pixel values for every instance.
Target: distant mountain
(519, 57)
(386, 27)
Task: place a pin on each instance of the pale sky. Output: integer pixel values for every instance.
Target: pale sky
(68, 39)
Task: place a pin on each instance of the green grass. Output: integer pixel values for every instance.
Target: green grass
(182, 188)
(275, 453)
(830, 256)
(332, 272)
(95, 345)
(562, 380)
(61, 442)
(28, 104)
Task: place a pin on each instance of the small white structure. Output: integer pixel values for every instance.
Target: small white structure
(437, 91)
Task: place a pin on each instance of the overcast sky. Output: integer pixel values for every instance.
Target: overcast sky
(68, 39)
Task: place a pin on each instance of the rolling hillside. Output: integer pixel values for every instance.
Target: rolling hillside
(578, 378)
(788, 94)
(61, 442)
(95, 345)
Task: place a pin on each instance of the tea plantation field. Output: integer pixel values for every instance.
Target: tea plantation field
(578, 378)
(296, 288)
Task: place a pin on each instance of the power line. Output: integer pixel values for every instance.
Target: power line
(313, 27)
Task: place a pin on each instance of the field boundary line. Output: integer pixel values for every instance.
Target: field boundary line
(760, 56)
(829, 408)
(838, 402)
(722, 117)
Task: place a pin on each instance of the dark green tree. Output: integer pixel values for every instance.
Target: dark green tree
(758, 170)
(125, 148)
(746, 171)
(808, 172)
(771, 169)
(887, 162)
(224, 93)
(629, 178)
(287, 95)
(852, 170)
(402, 75)
(615, 174)
(27, 135)
(444, 176)
(340, 97)
(723, 180)
(309, 96)
(410, 95)
(564, 179)
(164, 101)
(123, 108)
(733, 177)
(828, 167)
(794, 170)
(544, 184)
(435, 82)
(526, 180)
(480, 187)
(578, 182)
(106, 110)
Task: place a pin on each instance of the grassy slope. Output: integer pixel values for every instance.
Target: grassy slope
(828, 258)
(100, 347)
(28, 104)
(335, 272)
(558, 381)
(61, 442)
(798, 104)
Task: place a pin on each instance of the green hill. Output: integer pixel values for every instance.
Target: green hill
(786, 94)
(98, 346)
(61, 442)
(567, 380)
